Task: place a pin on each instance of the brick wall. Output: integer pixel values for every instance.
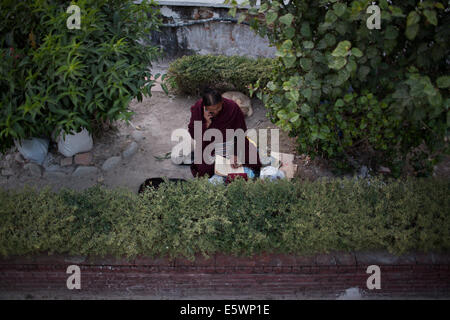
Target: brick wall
(265, 276)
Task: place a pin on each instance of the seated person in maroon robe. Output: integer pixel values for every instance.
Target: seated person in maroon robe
(220, 113)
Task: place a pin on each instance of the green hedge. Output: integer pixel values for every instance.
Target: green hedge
(241, 219)
(191, 73)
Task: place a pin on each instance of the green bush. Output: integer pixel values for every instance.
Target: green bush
(349, 93)
(243, 218)
(189, 74)
(52, 77)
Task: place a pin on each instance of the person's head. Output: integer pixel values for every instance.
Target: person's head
(212, 101)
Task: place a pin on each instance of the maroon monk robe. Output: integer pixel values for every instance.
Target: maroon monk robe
(230, 117)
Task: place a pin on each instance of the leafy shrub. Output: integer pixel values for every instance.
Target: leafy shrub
(349, 92)
(53, 77)
(189, 74)
(243, 218)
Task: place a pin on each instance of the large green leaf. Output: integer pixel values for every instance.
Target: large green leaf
(411, 31)
(339, 103)
(357, 53)
(342, 49)
(391, 32)
(443, 82)
(339, 8)
(306, 63)
(337, 63)
(330, 39)
(343, 76)
(307, 93)
(330, 17)
(305, 108)
(413, 18)
(305, 30)
(289, 60)
(289, 32)
(435, 100)
(363, 72)
(308, 44)
(271, 16)
(287, 19)
(294, 95)
(431, 16)
(287, 45)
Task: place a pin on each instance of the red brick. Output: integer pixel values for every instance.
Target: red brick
(273, 278)
(223, 260)
(280, 260)
(265, 260)
(244, 270)
(258, 270)
(345, 258)
(155, 261)
(325, 260)
(17, 260)
(109, 260)
(199, 260)
(441, 258)
(83, 159)
(305, 260)
(66, 161)
(383, 258)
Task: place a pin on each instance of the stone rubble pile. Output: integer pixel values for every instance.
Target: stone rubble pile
(54, 164)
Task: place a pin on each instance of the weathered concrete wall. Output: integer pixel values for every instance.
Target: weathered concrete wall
(224, 38)
(207, 30)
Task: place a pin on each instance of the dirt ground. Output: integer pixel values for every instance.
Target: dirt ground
(151, 127)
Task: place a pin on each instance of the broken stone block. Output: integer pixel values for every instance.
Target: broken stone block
(54, 174)
(34, 169)
(19, 158)
(363, 172)
(5, 164)
(3, 180)
(137, 135)
(7, 172)
(111, 163)
(66, 161)
(384, 170)
(289, 170)
(34, 149)
(242, 101)
(83, 171)
(84, 159)
(130, 150)
(52, 168)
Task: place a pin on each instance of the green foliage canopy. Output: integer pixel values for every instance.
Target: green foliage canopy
(345, 90)
(53, 77)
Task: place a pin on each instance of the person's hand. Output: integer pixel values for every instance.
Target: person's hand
(208, 117)
(234, 162)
